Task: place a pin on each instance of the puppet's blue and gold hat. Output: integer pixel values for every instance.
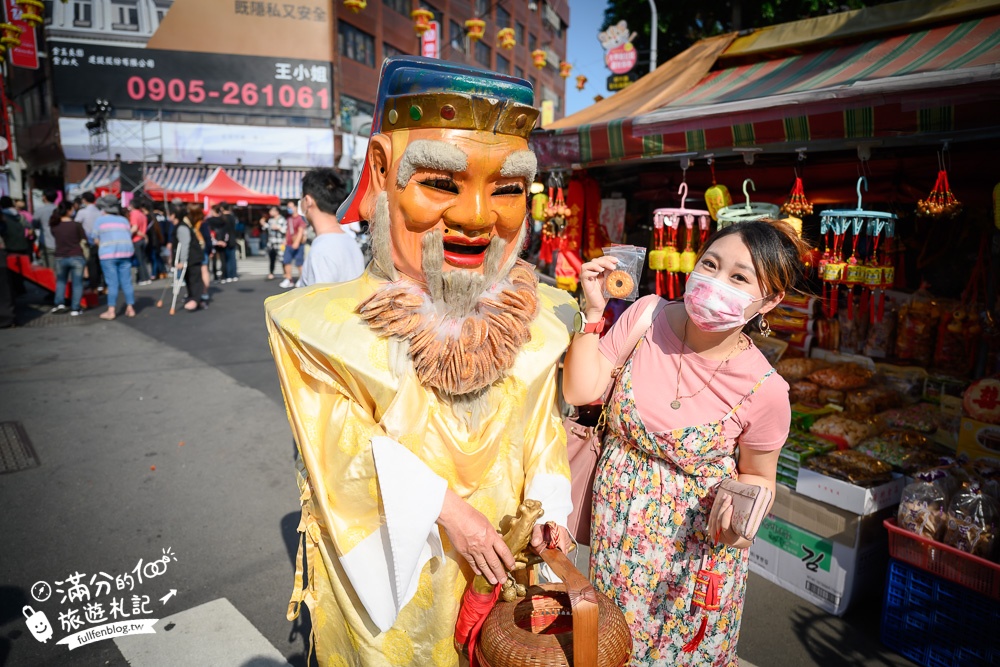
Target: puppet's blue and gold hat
(415, 92)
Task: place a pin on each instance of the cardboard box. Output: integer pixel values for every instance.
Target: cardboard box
(857, 499)
(978, 439)
(825, 555)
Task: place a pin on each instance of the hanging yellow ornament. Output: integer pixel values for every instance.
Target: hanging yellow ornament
(355, 5)
(11, 35)
(658, 259)
(717, 197)
(32, 11)
(507, 38)
(581, 81)
(539, 58)
(564, 69)
(475, 28)
(421, 20)
(795, 223)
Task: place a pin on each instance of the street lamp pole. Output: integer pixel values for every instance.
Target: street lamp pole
(654, 28)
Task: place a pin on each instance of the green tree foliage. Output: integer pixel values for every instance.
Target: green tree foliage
(680, 24)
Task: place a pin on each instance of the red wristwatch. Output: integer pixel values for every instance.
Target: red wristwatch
(582, 326)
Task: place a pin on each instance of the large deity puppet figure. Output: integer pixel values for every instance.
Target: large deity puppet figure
(422, 395)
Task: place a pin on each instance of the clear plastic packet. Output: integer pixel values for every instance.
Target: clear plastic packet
(851, 466)
(882, 335)
(623, 282)
(918, 417)
(840, 430)
(871, 400)
(922, 507)
(972, 521)
(841, 377)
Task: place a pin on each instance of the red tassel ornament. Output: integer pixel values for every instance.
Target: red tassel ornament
(707, 596)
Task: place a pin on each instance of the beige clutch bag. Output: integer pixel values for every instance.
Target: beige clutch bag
(750, 503)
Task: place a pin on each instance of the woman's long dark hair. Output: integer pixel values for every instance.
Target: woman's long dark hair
(59, 213)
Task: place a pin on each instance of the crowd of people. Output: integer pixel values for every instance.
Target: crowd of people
(110, 249)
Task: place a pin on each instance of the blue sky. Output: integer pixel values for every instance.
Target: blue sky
(584, 52)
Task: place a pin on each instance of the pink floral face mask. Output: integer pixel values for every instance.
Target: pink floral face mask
(715, 306)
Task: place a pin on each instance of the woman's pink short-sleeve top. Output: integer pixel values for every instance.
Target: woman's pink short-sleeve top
(762, 422)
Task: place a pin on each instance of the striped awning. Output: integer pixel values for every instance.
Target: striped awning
(101, 175)
(943, 49)
(929, 82)
(283, 183)
(175, 179)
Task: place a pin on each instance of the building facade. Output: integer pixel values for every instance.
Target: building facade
(180, 87)
(384, 28)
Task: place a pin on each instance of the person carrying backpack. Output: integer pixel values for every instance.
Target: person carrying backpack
(18, 236)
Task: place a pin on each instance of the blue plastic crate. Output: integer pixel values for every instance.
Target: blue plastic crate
(937, 623)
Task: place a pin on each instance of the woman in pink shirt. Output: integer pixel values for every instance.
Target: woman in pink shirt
(139, 223)
(694, 391)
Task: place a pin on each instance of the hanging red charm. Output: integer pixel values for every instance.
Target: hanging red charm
(940, 203)
(707, 597)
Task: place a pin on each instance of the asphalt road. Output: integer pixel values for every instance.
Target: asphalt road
(104, 403)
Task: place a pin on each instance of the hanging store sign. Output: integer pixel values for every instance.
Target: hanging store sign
(26, 53)
(136, 78)
(430, 41)
(619, 54)
(618, 82)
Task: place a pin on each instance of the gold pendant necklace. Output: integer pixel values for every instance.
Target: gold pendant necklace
(676, 403)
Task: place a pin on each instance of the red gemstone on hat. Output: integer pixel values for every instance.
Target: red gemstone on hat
(448, 112)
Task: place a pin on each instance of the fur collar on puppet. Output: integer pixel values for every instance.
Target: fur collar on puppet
(458, 354)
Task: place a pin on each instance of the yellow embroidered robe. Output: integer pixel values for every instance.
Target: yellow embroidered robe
(373, 599)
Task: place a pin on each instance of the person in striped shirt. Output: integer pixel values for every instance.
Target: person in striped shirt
(113, 235)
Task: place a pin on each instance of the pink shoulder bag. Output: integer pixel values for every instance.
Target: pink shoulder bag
(584, 443)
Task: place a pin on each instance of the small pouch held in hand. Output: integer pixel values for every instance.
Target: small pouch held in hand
(750, 503)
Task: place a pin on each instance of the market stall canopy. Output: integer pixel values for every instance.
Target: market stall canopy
(283, 183)
(668, 81)
(101, 176)
(164, 184)
(169, 183)
(797, 36)
(220, 186)
(906, 85)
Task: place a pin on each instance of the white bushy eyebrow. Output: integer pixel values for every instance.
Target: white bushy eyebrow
(430, 154)
(520, 164)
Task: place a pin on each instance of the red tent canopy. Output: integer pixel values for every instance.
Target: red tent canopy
(220, 186)
(157, 192)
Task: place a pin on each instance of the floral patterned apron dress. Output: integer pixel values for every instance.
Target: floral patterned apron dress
(653, 496)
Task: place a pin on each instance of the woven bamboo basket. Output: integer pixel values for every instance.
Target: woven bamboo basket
(556, 625)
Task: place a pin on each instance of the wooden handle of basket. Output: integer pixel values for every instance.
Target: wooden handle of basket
(583, 600)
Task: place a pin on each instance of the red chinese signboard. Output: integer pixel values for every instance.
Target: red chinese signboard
(430, 41)
(25, 55)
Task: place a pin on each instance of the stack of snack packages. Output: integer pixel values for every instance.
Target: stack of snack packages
(794, 321)
(797, 450)
(852, 424)
(958, 502)
(955, 503)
